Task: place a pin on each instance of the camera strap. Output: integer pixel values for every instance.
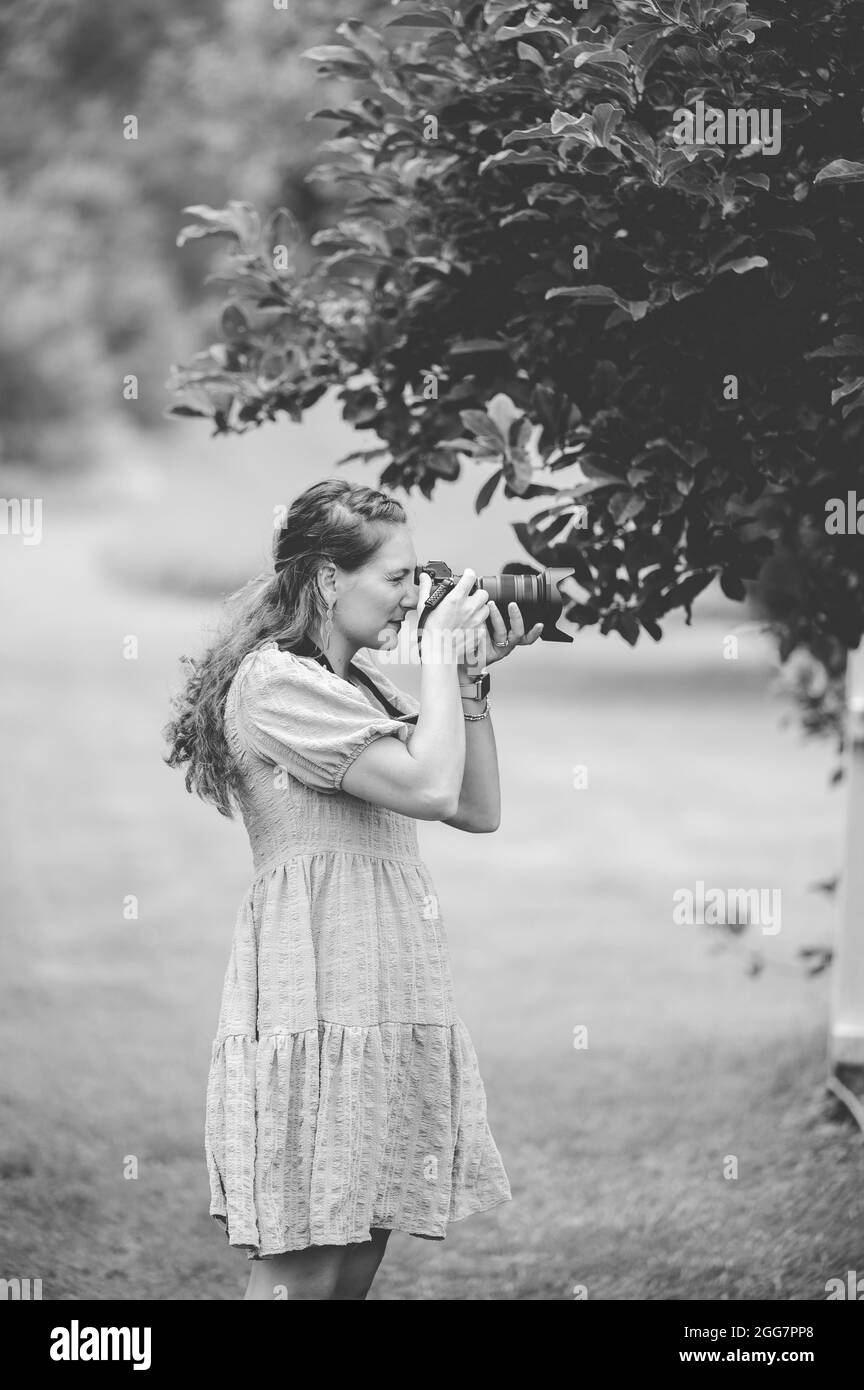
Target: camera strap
(370, 685)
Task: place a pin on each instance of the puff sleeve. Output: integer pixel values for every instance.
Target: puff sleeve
(300, 716)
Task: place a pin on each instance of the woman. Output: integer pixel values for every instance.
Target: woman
(344, 1098)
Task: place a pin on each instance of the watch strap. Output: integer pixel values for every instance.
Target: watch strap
(478, 689)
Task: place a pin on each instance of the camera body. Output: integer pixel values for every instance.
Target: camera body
(537, 592)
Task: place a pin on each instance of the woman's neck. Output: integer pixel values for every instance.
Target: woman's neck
(340, 655)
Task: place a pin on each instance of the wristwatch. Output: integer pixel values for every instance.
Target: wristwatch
(478, 689)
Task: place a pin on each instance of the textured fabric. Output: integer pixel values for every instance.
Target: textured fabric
(344, 1091)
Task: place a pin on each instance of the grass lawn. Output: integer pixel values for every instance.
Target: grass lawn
(562, 919)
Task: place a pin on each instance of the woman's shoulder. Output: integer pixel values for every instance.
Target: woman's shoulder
(268, 655)
(272, 670)
(270, 665)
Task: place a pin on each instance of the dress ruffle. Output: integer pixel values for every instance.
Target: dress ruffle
(314, 1137)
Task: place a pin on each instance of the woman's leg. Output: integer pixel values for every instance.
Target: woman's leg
(360, 1265)
(309, 1273)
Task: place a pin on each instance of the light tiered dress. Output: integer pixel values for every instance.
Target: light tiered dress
(344, 1091)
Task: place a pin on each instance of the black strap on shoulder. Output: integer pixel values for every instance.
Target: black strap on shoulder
(370, 685)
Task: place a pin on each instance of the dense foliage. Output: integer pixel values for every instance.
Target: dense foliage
(665, 341)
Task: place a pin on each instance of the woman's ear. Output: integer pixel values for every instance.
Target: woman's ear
(327, 583)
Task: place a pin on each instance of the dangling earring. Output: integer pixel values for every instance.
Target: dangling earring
(328, 626)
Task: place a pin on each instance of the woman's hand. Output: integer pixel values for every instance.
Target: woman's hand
(454, 625)
(485, 650)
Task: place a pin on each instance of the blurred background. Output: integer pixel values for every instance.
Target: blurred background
(702, 1043)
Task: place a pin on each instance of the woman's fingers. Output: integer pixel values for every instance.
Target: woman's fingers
(483, 605)
(499, 627)
(517, 626)
(459, 609)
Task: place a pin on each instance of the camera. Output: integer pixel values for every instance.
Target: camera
(537, 592)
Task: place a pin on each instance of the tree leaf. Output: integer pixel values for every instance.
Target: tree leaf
(733, 586)
(431, 19)
(757, 180)
(534, 155)
(530, 54)
(590, 294)
(484, 496)
(742, 266)
(335, 53)
(845, 345)
(360, 36)
(624, 507)
(471, 345)
(841, 171)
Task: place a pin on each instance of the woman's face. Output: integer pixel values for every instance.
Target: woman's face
(372, 602)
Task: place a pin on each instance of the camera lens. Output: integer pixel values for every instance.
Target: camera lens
(538, 595)
(528, 590)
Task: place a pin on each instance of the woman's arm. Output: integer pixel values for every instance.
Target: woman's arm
(425, 779)
(479, 809)
(421, 779)
(479, 806)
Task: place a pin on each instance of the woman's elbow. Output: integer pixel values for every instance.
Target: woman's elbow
(474, 824)
(441, 805)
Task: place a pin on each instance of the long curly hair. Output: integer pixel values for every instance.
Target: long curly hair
(333, 521)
